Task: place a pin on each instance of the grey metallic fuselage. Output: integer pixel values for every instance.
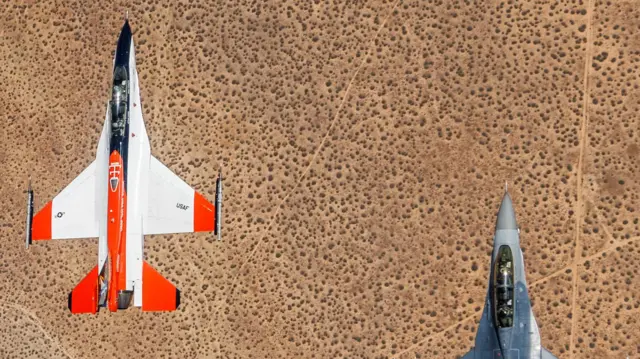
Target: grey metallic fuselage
(507, 328)
(523, 336)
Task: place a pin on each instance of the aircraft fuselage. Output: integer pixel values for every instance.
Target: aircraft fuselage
(123, 195)
(508, 328)
(119, 108)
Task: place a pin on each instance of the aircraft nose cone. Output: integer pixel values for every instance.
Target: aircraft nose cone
(126, 30)
(506, 214)
(126, 25)
(124, 47)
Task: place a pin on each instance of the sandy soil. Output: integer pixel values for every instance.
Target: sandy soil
(365, 147)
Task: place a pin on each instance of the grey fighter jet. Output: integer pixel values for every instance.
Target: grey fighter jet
(508, 329)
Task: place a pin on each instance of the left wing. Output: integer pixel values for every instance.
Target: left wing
(173, 206)
(80, 209)
(72, 213)
(486, 339)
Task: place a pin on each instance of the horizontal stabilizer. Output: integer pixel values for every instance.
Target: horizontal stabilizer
(158, 294)
(84, 297)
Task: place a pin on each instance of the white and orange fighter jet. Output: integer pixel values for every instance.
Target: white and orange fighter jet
(124, 194)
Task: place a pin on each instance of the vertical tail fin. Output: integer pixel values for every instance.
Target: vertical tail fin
(158, 294)
(84, 297)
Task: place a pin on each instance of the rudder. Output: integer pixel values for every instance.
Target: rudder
(84, 297)
(158, 294)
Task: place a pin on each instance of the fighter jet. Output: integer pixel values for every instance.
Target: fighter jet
(508, 329)
(124, 194)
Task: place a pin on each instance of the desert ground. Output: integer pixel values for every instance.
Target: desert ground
(365, 147)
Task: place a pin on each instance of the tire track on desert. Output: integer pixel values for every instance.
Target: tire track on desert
(319, 148)
(315, 154)
(38, 323)
(579, 200)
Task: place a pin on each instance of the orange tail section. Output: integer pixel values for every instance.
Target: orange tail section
(158, 294)
(84, 297)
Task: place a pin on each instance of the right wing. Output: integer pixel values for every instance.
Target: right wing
(545, 354)
(72, 213)
(173, 206)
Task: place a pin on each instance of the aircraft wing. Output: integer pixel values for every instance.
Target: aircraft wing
(173, 206)
(72, 213)
(486, 339)
(81, 208)
(545, 354)
(525, 328)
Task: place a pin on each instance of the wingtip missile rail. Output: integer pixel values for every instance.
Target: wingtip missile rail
(219, 205)
(29, 215)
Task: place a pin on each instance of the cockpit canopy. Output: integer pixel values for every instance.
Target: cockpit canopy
(503, 296)
(119, 100)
